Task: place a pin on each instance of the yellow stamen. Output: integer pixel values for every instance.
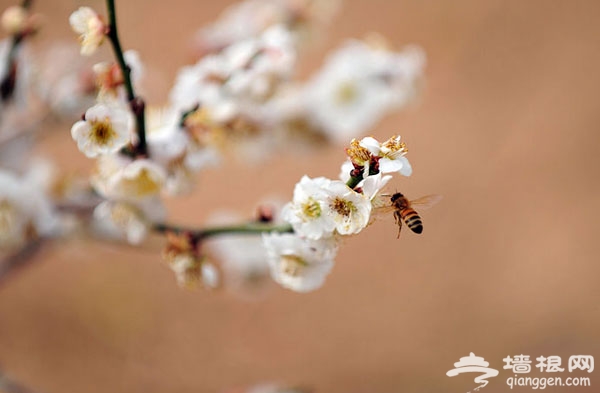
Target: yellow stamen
(292, 265)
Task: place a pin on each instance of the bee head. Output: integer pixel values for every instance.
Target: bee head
(396, 196)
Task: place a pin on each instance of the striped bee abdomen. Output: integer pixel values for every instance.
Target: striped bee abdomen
(412, 220)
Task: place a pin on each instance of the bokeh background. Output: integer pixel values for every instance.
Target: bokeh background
(506, 129)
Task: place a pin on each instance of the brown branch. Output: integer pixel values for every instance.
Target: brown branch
(19, 259)
(11, 386)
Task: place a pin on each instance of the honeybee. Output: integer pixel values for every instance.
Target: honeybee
(403, 210)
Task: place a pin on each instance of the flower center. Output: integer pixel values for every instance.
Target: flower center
(143, 184)
(342, 207)
(102, 132)
(311, 209)
(292, 265)
(346, 93)
(7, 216)
(358, 154)
(394, 148)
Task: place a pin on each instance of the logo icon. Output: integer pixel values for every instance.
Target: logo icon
(474, 364)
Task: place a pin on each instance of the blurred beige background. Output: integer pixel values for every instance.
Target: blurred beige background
(507, 129)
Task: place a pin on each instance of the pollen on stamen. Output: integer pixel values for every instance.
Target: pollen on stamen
(102, 132)
(342, 206)
(394, 145)
(311, 209)
(358, 154)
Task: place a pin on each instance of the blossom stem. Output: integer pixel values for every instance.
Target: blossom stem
(201, 234)
(353, 182)
(136, 103)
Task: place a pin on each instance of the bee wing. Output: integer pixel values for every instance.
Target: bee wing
(426, 202)
(382, 207)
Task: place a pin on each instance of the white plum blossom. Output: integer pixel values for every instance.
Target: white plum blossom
(137, 180)
(68, 87)
(125, 220)
(106, 129)
(349, 210)
(119, 177)
(358, 85)
(238, 22)
(166, 140)
(372, 185)
(260, 63)
(202, 84)
(135, 64)
(308, 213)
(299, 264)
(25, 210)
(243, 258)
(250, 18)
(175, 150)
(392, 154)
(244, 74)
(210, 275)
(90, 27)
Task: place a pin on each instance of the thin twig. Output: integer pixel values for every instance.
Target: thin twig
(9, 81)
(19, 259)
(248, 229)
(136, 103)
(11, 386)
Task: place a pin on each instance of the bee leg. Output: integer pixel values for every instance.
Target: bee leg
(398, 220)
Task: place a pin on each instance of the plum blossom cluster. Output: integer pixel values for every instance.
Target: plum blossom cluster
(241, 97)
(249, 18)
(244, 92)
(27, 211)
(324, 211)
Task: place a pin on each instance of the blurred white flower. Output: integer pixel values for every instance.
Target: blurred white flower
(137, 180)
(210, 275)
(134, 62)
(358, 85)
(172, 147)
(250, 18)
(21, 107)
(90, 27)
(66, 82)
(106, 129)
(244, 74)
(202, 84)
(14, 19)
(25, 211)
(308, 213)
(166, 140)
(126, 220)
(243, 258)
(238, 22)
(259, 64)
(299, 264)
